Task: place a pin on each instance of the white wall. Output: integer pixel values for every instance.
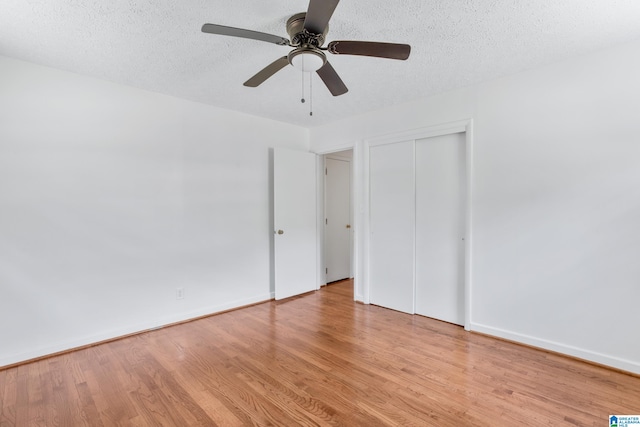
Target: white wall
(112, 197)
(556, 200)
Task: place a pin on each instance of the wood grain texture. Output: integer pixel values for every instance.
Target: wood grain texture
(319, 359)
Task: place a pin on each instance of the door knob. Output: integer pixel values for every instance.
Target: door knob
(280, 232)
(348, 225)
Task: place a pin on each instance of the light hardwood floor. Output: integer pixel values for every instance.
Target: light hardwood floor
(318, 359)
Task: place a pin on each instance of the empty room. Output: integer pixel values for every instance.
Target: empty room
(319, 212)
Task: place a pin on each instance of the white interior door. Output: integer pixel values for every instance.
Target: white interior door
(294, 180)
(440, 227)
(337, 229)
(392, 218)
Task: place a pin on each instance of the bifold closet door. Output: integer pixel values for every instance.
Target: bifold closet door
(392, 218)
(440, 227)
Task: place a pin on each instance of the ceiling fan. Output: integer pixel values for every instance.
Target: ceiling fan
(307, 32)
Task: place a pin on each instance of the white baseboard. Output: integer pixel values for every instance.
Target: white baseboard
(592, 356)
(122, 332)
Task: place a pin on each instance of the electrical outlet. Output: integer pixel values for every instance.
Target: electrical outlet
(179, 293)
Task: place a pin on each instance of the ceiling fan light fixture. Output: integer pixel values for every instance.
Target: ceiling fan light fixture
(307, 59)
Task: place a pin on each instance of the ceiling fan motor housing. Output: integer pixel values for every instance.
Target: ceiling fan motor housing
(301, 37)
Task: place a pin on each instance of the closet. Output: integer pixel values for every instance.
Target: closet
(417, 214)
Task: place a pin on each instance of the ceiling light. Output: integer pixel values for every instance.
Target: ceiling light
(307, 59)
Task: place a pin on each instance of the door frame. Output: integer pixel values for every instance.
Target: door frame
(355, 220)
(363, 239)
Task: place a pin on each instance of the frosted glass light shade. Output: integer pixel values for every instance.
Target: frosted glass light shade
(307, 60)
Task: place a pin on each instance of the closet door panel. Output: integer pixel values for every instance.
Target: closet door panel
(392, 219)
(440, 229)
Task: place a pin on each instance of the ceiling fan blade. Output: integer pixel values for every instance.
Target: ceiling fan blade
(333, 81)
(247, 34)
(375, 49)
(318, 14)
(267, 72)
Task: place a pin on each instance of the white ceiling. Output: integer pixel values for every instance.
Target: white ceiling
(157, 45)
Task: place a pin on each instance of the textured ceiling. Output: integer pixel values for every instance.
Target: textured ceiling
(157, 45)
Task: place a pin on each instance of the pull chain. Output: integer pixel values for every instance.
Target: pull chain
(310, 94)
(302, 99)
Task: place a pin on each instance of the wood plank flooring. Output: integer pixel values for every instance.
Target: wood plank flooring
(319, 359)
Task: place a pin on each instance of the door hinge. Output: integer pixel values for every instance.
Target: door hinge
(326, 221)
(325, 171)
(326, 271)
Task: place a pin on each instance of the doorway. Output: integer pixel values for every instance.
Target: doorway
(338, 216)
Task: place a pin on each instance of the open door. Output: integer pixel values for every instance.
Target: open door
(295, 240)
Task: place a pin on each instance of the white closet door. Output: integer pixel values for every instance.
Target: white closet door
(392, 217)
(440, 227)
